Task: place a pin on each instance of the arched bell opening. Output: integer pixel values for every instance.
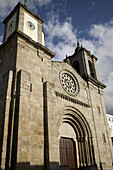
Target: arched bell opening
(91, 68)
(76, 66)
(75, 131)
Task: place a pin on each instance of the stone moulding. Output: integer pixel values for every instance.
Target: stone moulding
(71, 99)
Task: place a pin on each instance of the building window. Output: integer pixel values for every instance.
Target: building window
(76, 66)
(99, 111)
(112, 140)
(104, 138)
(91, 68)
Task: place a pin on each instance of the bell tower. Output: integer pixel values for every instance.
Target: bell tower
(21, 19)
(23, 57)
(83, 62)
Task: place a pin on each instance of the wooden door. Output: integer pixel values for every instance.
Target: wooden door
(67, 153)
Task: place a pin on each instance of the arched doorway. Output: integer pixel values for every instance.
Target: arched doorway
(75, 140)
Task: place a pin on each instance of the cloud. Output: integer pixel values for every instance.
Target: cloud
(7, 5)
(108, 96)
(44, 2)
(101, 46)
(61, 39)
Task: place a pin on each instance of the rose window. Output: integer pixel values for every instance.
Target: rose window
(69, 82)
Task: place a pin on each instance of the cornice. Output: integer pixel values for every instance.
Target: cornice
(37, 45)
(71, 99)
(95, 82)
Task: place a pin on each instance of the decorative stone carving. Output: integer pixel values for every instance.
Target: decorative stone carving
(69, 82)
(71, 99)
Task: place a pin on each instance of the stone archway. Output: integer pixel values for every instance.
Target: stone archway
(79, 131)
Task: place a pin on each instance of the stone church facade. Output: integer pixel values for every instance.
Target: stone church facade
(52, 113)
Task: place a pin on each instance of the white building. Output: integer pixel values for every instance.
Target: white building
(110, 124)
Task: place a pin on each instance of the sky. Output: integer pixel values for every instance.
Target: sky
(65, 20)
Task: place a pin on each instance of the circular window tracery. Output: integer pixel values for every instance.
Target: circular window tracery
(69, 82)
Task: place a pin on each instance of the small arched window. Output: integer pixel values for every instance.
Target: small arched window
(76, 66)
(91, 68)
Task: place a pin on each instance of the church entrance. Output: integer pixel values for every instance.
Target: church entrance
(67, 153)
(75, 141)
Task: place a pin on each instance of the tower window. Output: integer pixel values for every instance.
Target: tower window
(104, 138)
(112, 140)
(91, 68)
(99, 111)
(76, 66)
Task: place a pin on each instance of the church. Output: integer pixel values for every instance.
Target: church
(52, 113)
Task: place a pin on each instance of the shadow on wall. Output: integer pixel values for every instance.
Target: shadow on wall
(53, 166)
(3, 101)
(10, 115)
(27, 166)
(88, 168)
(82, 168)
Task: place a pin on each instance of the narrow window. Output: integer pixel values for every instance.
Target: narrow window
(76, 66)
(112, 140)
(98, 107)
(104, 138)
(30, 87)
(91, 68)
